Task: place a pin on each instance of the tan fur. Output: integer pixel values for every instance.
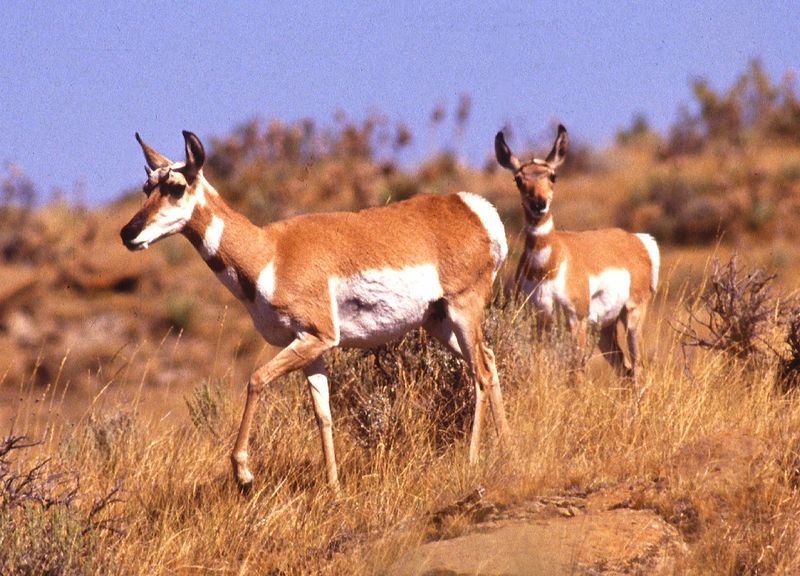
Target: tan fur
(587, 254)
(308, 249)
(305, 253)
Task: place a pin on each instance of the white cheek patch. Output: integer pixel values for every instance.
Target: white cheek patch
(169, 220)
(608, 292)
(376, 306)
(200, 192)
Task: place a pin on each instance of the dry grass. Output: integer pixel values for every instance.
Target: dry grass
(181, 513)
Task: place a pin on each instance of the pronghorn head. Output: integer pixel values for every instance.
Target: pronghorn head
(535, 179)
(173, 189)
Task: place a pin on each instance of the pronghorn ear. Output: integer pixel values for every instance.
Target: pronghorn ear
(505, 157)
(154, 159)
(559, 151)
(195, 156)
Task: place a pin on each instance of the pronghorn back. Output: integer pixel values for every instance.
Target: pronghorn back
(443, 231)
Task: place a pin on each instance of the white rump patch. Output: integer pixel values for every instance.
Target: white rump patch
(608, 293)
(376, 306)
(212, 237)
(655, 257)
(492, 223)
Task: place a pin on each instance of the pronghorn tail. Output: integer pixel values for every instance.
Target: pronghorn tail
(655, 257)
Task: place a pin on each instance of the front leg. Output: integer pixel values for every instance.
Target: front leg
(302, 351)
(318, 386)
(578, 327)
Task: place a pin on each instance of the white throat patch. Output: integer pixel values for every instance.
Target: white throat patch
(542, 229)
(212, 237)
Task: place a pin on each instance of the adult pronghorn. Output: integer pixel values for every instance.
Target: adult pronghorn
(318, 281)
(603, 277)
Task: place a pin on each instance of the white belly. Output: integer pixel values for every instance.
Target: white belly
(608, 293)
(376, 306)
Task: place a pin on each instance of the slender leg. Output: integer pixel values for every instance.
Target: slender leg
(318, 386)
(635, 319)
(581, 337)
(610, 348)
(303, 350)
(480, 360)
(496, 398)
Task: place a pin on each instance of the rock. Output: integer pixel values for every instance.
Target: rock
(618, 541)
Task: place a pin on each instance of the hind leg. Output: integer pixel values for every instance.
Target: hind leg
(634, 319)
(442, 329)
(611, 350)
(466, 321)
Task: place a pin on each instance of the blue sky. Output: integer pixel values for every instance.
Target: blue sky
(77, 79)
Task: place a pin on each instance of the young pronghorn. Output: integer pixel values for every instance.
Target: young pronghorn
(318, 281)
(603, 277)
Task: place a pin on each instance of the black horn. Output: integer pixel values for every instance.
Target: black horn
(154, 159)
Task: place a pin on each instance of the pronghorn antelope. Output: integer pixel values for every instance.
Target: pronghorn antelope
(603, 277)
(314, 282)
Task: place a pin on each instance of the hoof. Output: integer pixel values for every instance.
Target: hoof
(245, 487)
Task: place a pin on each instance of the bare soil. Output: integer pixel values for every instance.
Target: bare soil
(608, 531)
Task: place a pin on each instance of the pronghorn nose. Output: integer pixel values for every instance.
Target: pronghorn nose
(537, 204)
(131, 230)
(127, 234)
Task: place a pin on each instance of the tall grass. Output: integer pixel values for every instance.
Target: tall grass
(402, 417)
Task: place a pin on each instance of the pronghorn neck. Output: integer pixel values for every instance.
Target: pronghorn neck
(541, 248)
(540, 231)
(227, 241)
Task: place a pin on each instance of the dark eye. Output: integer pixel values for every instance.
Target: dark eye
(174, 190)
(553, 178)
